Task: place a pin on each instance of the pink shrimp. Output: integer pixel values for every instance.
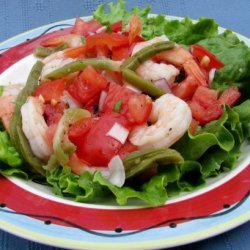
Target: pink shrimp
(7, 101)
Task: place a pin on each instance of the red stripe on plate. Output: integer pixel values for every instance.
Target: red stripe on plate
(210, 202)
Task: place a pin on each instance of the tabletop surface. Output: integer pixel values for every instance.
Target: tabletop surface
(20, 16)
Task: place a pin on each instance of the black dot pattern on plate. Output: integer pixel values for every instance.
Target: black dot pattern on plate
(172, 225)
(2, 205)
(27, 39)
(226, 206)
(47, 222)
(118, 230)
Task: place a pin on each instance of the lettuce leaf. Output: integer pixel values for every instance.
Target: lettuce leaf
(10, 161)
(187, 32)
(235, 55)
(112, 13)
(216, 146)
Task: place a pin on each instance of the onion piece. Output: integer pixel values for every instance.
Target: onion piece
(114, 172)
(117, 171)
(67, 98)
(133, 88)
(163, 84)
(118, 132)
(211, 75)
(101, 30)
(102, 99)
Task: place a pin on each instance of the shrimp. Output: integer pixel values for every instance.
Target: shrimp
(53, 65)
(153, 71)
(142, 45)
(66, 53)
(182, 58)
(170, 118)
(60, 58)
(35, 127)
(7, 100)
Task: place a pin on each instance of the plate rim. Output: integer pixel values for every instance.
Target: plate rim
(243, 218)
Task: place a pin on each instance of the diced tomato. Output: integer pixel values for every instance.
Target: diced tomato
(115, 27)
(96, 148)
(206, 58)
(120, 53)
(87, 85)
(84, 28)
(206, 106)
(125, 51)
(135, 28)
(102, 51)
(78, 52)
(78, 130)
(51, 89)
(205, 115)
(185, 89)
(205, 96)
(230, 96)
(53, 113)
(126, 149)
(139, 108)
(109, 39)
(136, 107)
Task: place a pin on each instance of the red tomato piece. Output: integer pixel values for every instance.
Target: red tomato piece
(230, 96)
(87, 85)
(115, 27)
(186, 88)
(205, 96)
(135, 28)
(84, 28)
(126, 149)
(97, 149)
(120, 53)
(136, 107)
(210, 62)
(53, 113)
(139, 108)
(78, 130)
(203, 115)
(78, 52)
(51, 89)
(109, 39)
(102, 51)
(125, 51)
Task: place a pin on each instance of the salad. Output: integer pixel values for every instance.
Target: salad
(129, 106)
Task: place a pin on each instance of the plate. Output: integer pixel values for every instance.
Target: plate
(31, 211)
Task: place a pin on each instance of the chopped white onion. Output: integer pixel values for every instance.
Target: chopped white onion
(129, 86)
(163, 84)
(101, 100)
(211, 75)
(101, 30)
(67, 98)
(118, 132)
(117, 171)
